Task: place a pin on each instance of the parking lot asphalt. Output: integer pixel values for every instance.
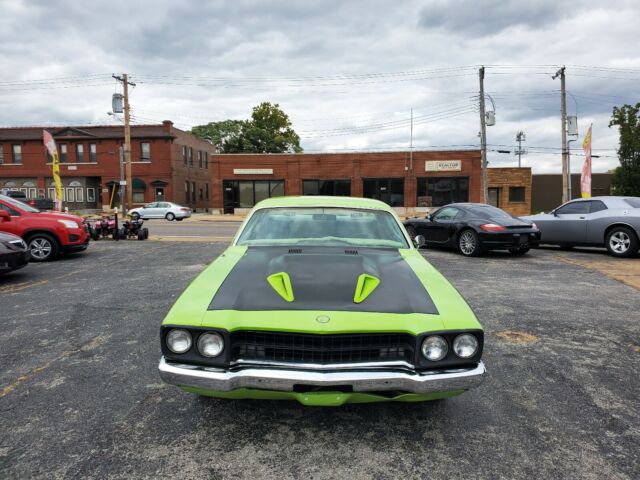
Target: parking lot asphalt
(80, 395)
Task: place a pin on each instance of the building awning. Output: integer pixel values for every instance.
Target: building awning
(158, 183)
(138, 184)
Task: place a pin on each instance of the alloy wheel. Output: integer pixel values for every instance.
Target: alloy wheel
(40, 248)
(467, 243)
(620, 242)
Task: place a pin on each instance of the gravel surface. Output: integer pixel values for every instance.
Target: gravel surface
(80, 395)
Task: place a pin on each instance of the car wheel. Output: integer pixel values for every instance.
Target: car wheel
(43, 247)
(469, 244)
(170, 216)
(622, 242)
(519, 250)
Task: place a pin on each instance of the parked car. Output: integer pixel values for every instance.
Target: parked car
(17, 194)
(168, 210)
(473, 228)
(611, 222)
(326, 301)
(14, 253)
(41, 203)
(47, 234)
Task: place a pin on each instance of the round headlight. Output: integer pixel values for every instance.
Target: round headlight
(465, 345)
(434, 348)
(178, 340)
(210, 344)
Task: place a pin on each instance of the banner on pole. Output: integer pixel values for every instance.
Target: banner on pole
(50, 145)
(585, 178)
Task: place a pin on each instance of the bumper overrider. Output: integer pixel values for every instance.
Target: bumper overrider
(382, 367)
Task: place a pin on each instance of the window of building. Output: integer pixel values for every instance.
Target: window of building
(205, 156)
(206, 191)
(516, 194)
(200, 158)
(494, 196)
(440, 191)
(70, 195)
(338, 188)
(201, 194)
(388, 190)
(138, 189)
(145, 152)
(93, 153)
(91, 195)
(186, 192)
(184, 154)
(193, 192)
(246, 193)
(79, 152)
(16, 153)
(64, 155)
(190, 156)
(1, 154)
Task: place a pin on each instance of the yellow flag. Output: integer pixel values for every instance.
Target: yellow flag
(50, 144)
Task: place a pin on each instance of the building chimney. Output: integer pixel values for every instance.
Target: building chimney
(166, 125)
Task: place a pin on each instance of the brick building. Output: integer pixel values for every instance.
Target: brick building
(510, 189)
(405, 181)
(167, 164)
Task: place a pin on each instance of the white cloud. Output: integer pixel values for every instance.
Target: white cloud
(247, 39)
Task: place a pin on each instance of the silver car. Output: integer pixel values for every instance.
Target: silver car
(168, 210)
(612, 222)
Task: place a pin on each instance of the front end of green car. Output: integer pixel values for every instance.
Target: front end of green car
(324, 301)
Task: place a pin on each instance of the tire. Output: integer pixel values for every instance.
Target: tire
(95, 235)
(116, 234)
(135, 216)
(469, 244)
(43, 247)
(145, 230)
(170, 216)
(621, 242)
(518, 250)
(140, 235)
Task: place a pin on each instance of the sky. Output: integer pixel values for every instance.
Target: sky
(348, 73)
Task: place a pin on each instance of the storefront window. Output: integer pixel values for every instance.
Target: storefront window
(246, 193)
(440, 191)
(388, 190)
(339, 188)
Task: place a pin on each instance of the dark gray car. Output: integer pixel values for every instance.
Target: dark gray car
(612, 222)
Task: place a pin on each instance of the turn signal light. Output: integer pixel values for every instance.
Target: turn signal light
(492, 227)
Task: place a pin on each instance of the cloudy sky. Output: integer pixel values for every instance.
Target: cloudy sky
(347, 72)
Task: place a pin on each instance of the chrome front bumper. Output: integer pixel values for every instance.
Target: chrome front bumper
(364, 380)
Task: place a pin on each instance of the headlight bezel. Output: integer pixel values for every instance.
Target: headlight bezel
(201, 339)
(450, 359)
(193, 356)
(444, 345)
(179, 331)
(456, 341)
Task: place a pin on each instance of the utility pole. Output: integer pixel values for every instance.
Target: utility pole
(520, 137)
(483, 139)
(127, 136)
(411, 144)
(563, 110)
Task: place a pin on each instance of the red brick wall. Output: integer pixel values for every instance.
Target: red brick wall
(354, 166)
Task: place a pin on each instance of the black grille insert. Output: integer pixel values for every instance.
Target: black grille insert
(322, 349)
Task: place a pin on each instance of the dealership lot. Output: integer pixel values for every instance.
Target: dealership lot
(80, 395)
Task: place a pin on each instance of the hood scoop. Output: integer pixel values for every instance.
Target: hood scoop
(365, 287)
(281, 283)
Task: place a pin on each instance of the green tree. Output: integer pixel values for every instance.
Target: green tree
(219, 133)
(625, 179)
(268, 131)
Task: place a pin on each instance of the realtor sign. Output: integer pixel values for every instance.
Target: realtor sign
(442, 165)
(253, 171)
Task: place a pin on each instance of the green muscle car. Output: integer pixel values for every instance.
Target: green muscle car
(323, 300)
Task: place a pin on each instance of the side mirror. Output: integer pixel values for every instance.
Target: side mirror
(4, 216)
(419, 241)
(427, 217)
(555, 214)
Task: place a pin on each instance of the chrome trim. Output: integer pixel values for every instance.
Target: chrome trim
(264, 378)
(321, 366)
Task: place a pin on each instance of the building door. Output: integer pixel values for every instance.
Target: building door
(494, 197)
(159, 194)
(230, 196)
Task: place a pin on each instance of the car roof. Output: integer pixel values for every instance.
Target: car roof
(323, 201)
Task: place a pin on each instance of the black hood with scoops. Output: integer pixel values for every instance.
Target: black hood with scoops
(323, 278)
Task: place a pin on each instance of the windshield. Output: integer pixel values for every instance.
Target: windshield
(488, 212)
(323, 227)
(19, 204)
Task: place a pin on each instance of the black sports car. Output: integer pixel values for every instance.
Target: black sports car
(14, 253)
(473, 228)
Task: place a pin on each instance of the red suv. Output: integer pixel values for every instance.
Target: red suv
(47, 234)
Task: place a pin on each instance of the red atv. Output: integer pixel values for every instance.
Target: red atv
(132, 229)
(104, 228)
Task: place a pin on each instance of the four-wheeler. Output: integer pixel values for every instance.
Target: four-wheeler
(47, 234)
(105, 228)
(133, 229)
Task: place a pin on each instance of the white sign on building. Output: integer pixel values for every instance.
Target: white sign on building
(442, 165)
(253, 171)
